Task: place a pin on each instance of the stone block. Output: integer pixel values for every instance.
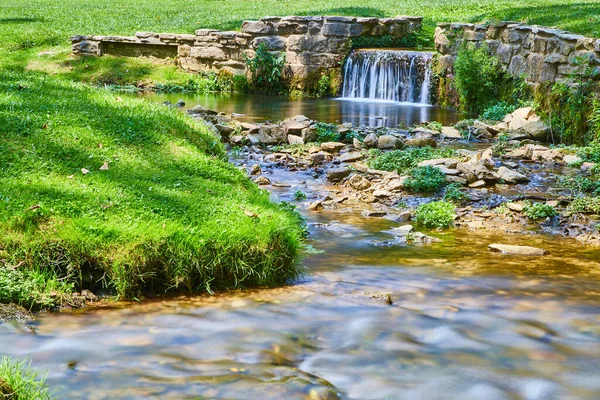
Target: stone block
(209, 53)
(258, 27)
(335, 29)
(273, 43)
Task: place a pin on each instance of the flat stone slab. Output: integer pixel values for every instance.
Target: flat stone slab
(517, 250)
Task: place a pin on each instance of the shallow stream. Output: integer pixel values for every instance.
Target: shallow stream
(465, 324)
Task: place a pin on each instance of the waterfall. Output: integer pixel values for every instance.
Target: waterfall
(394, 75)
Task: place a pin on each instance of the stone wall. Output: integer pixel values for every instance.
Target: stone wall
(539, 54)
(310, 44)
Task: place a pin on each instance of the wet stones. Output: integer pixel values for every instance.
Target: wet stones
(388, 142)
(337, 174)
(517, 250)
(332, 147)
(358, 182)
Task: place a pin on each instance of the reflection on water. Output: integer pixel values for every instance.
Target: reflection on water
(358, 112)
(465, 324)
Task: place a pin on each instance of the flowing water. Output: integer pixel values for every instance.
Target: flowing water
(392, 75)
(465, 324)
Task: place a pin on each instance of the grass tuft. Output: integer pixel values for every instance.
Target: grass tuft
(18, 381)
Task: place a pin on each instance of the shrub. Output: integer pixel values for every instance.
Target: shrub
(454, 193)
(539, 210)
(299, 195)
(323, 86)
(19, 381)
(326, 132)
(585, 205)
(477, 78)
(498, 111)
(425, 179)
(578, 184)
(432, 125)
(439, 214)
(266, 70)
(403, 160)
(590, 153)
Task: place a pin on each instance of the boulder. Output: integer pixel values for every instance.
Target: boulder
(450, 132)
(316, 206)
(337, 174)
(388, 142)
(524, 112)
(421, 142)
(402, 231)
(332, 147)
(261, 180)
(358, 182)
(535, 130)
(511, 176)
(318, 157)
(351, 156)
(293, 139)
(370, 141)
(572, 159)
(517, 250)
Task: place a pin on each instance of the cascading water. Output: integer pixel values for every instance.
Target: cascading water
(393, 75)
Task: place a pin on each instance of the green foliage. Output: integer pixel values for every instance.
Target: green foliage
(539, 210)
(18, 381)
(463, 126)
(477, 77)
(266, 70)
(324, 86)
(403, 160)
(431, 125)
(579, 184)
(326, 132)
(497, 111)
(425, 179)
(594, 120)
(299, 195)
(169, 214)
(590, 153)
(438, 214)
(454, 193)
(35, 290)
(585, 205)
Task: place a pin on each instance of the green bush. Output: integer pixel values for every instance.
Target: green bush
(590, 153)
(498, 111)
(403, 160)
(18, 381)
(539, 210)
(477, 77)
(266, 70)
(324, 86)
(326, 132)
(578, 184)
(454, 193)
(585, 205)
(438, 214)
(425, 179)
(299, 195)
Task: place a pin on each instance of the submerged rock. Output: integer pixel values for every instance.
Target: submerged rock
(517, 250)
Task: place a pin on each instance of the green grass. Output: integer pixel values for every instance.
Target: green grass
(18, 381)
(404, 160)
(169, 214)
(438, 214)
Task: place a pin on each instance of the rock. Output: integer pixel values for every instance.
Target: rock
(317, 158)
(450, 132)
(535, 130)
(224, 130)
(351, 157)
(447, 162)
(200, 110)
(524, 112)
(516, 207)
(295, 125)
(385, 297)
(356, 143)
(419, 237)
(281, 184)
(251, 128)
(477, 184)
(337, 174)
(255, 170)
(404, 216)
(588, 166)
(293, 139)
(572, 159)
(370, 141)
(511, 176)
(393, 185)
(421, 142)
(517, 250)
(358, 182)
(316, 206)
(388, 142)
(237, 140)
(262, 181)
(380, 194)
(456, 179)
(516, 123)
(447, 171)
(374, 213)
(403, 230)
(180, 103)
(332, 147)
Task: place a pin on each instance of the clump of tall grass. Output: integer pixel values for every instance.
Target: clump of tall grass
(18, 381)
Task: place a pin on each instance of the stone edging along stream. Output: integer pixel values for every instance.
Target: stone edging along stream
(499, 177)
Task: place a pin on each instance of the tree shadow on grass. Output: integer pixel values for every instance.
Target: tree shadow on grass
(576, 17)
(20, 20)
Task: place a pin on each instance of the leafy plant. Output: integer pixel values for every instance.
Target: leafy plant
(326, 132)
(454, 193)
(19, 381)
(425, 179)
(438, 214)
(498, 111)
(403, 160)
(266, 70)
(431, 125)
(539, 210)
(585, 205)
(323, 86)
(477, 77)
(578, 184)
(299, 195)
